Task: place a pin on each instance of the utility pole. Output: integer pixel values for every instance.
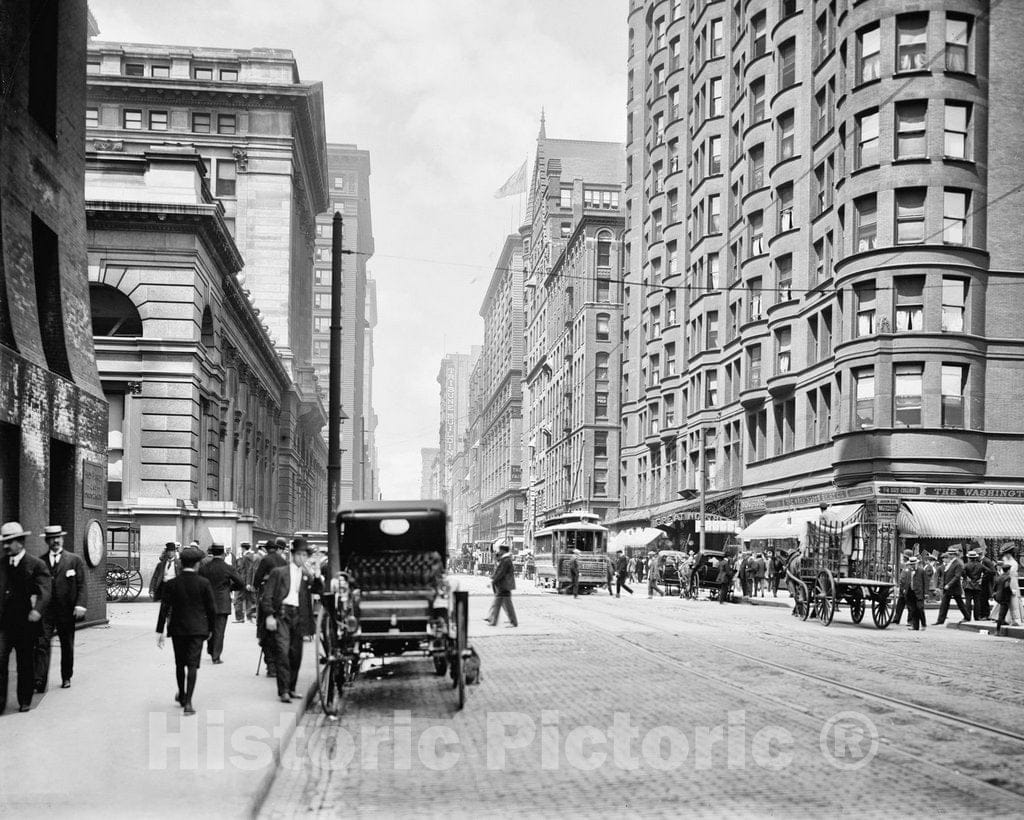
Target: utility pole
(703, 488)
(334, 400)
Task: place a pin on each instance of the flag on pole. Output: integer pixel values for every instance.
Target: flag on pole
(515, 184)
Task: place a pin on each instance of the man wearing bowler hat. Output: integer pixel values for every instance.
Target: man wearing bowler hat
(286, 609)
(24, 596)
(952, 585)
(68, 602)
(223, 579)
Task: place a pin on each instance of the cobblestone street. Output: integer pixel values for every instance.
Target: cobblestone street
(635, 707)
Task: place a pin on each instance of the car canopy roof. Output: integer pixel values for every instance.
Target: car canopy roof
(391, 526)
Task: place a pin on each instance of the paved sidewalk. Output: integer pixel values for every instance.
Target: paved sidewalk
(116, 744)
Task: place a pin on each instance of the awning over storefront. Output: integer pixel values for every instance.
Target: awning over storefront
(948, 519)
(634, 537)
(793, 523)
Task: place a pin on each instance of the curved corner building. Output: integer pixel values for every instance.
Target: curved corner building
(824, 246)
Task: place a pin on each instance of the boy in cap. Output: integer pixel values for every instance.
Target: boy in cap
(187, 611)
(68, 602)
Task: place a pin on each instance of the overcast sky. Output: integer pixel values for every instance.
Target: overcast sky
(446, 96)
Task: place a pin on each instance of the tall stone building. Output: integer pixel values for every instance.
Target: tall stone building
(53, 418)
(428, 473)
(260, 132)
(454, 381)
(824, 197)
(572, 304)
(348, 177)
(499, 413)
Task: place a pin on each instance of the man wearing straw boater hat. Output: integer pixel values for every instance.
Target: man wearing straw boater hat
(24, 596)
(68, 602)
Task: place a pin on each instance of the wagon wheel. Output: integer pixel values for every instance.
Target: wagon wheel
(825, 598)
(330, 663)
(461, 644)
(856, 600)
(882, 608)
(133, 584)
(116, 582)
(802, 600)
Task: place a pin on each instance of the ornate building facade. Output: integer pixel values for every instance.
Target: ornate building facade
(820, 198)
(260, 132)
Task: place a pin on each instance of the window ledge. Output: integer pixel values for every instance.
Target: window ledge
(953, 72)
(912, 72)
(865, 83)
(911, 160)
(864, 169)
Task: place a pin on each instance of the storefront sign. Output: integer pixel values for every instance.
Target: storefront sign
(824, 497)
(987, 493)
(887, 489)
(94, 486)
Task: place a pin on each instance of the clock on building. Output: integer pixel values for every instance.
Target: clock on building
(95, 544)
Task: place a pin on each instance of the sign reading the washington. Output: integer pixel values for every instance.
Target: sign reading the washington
(975, 492)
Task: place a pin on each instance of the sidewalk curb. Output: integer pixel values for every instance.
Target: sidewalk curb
(259, 795)
(988, 628)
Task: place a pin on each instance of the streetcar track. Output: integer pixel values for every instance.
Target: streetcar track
(877, 697)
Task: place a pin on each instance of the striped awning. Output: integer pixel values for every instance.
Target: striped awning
(793, 523)
(949, 519)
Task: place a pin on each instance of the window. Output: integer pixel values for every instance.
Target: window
(602, 330)
(712, 330)
(225, 123)
(229, 75)
(755, 233)
(134, 70)
(601, 366)
(132, 120)
(160, 71)
(823, 185)
(714, 213)
(714, 272)
(911, 42)
(786, 135)
(787, 63)
(601, 443)
(225, 179)
(113, 313)
(601, 404)
(604, 251)
(670, 359)
(907, 395)
(868, 45)
(670, 302)
(784, 277)
(716, 37)
(715, 155)
(866, 213)
(785, 197)
(957, 118)
(757, 100)
(754, 366)
(46, 265)
(783, 349)
(754, 298)
(202, 73)
(322, 301)
(157, 120)
(824, 34)
(958, 43)
(201, 123)
(824, 103)
(867, 139)
(92, 118)
(715, 95)
(756, 167)
(823, 257)
(910, 215)
(321, 324)
(909, 303)
(910, 129)
(758, 35)
(954, 216)
(565, 230)
(92, 67)
(864, 397)
(954, 380)
(864, 301)
(954, 301)
(565, 197)
(711, 389)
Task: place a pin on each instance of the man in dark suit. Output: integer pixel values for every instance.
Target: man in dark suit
(574, 573)
(952, 574)
(286, 609)
(223, 579)
(68, 602)
(621, 570)
(168, 568)
(503, 581)
(24, 597)
(245, 600)
(187, 611)
(272, 560)
(915, 592)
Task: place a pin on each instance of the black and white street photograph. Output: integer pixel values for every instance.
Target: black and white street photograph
(511, 408)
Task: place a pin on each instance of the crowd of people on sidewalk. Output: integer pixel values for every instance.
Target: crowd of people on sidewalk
(40, 596)
(195, 594)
